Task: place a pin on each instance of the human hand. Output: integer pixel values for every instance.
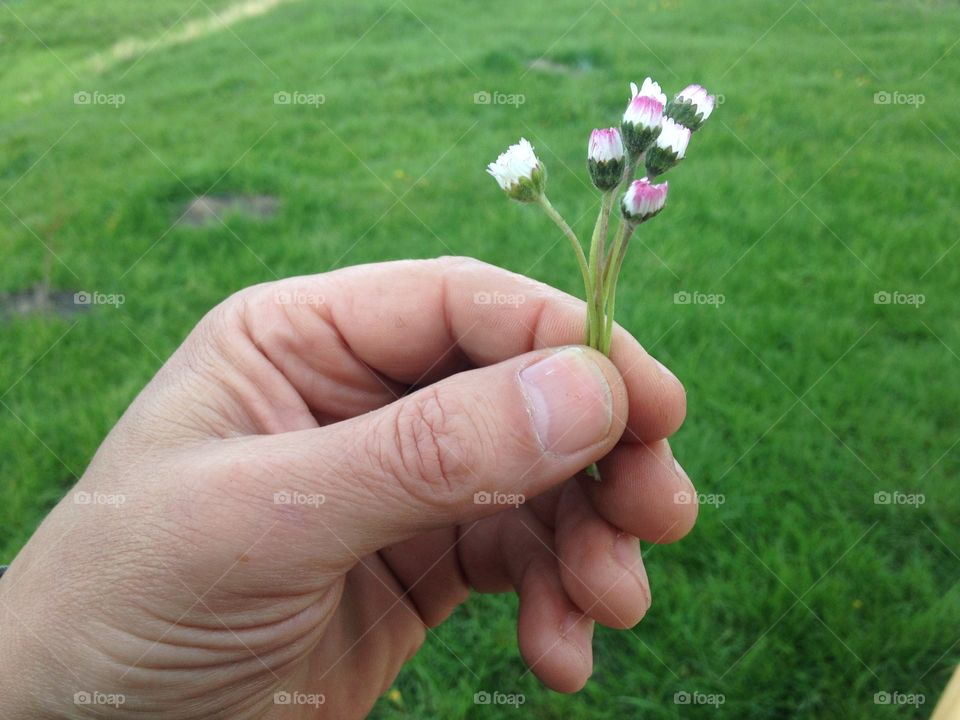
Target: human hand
(276, 512)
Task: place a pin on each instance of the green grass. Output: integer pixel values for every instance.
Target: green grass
(799, 596)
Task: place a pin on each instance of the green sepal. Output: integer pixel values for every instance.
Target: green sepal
(637, 139)
(659, 160)
(529, 189)
(606, 175)
(636, 219)
(684, 112)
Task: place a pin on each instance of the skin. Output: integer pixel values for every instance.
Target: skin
(389, 392)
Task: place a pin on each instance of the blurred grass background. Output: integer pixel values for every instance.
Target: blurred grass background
(800, 595)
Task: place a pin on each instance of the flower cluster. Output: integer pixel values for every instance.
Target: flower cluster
(653, 135)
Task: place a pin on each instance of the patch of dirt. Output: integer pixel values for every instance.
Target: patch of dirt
(205, 209)
(558, 68)
(42, 299)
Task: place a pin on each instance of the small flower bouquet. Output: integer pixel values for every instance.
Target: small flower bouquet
(653, 136)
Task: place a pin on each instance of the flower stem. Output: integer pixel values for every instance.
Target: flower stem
(577, 249)
(617, 253)
(597, 268)
(629, 171)
(614, 259)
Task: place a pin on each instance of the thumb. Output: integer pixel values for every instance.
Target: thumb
(449, 453)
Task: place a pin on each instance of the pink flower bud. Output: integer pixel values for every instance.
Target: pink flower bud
(605, 145)
(674, 137)
(605, 158)
(669, 148)
(641, 121)
(643, 200)
(691, 107)
(643, 112)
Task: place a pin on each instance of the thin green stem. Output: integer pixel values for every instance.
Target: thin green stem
(597, 254)
(618, 252)
(628, 173)
(614, 258)
(603, 221)
(552, 213)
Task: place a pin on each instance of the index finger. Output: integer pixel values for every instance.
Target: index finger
(416, 321)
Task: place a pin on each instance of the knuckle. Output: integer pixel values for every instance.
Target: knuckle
(433, 457)
(464, 261)
(232, 310)
(216, 333)
(434, 614)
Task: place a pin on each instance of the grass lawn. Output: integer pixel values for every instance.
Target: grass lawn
(802, 594)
